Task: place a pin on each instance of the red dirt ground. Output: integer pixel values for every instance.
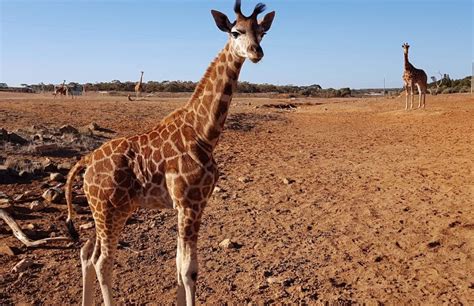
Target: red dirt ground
(379, 207)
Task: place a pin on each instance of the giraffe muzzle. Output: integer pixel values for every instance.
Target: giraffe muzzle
(255, 54)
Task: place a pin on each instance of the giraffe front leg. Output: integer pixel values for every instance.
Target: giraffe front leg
(88, 273)
(186, 259)
(406, 98)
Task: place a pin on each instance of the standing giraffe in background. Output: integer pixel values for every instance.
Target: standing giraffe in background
(171, 166)
(413, 76)
(139, 86)
(62, 89)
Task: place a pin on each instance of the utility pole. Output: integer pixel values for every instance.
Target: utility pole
(384, 87)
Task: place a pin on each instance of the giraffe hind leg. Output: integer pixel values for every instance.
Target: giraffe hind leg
(419, 95)
(88, 273)
(108, 230)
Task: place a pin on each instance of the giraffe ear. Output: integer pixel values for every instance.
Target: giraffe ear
(222, 21)
(267, 21)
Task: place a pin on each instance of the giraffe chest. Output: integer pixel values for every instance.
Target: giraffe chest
(407, 76)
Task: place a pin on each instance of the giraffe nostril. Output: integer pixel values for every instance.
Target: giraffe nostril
(257, 50)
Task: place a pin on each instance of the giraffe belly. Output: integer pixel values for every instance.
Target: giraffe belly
(156, 197)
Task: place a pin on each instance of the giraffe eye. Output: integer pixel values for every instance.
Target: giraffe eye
(235, 34)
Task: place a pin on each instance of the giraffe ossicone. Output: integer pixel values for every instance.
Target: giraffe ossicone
(171, 166)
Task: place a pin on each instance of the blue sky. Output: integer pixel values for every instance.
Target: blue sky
(342, 43)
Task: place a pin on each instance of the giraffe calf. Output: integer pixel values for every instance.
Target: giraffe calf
(171, 166)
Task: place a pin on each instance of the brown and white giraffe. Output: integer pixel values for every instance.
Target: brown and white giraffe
(139, 86)
(411, 77)
(171, 166)
(61, 89)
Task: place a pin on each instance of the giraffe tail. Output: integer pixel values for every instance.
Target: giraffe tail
(70, 210)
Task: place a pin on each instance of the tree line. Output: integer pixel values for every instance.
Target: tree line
(442, 85)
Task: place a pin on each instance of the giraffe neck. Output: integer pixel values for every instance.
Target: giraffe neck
(141, 78)
(408, 66)
(211, 99)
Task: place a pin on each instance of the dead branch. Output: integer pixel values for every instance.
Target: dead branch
(22, 236)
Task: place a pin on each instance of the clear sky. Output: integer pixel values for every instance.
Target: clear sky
(342, 43)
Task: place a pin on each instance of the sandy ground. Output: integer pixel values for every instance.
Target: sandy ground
(379, 207)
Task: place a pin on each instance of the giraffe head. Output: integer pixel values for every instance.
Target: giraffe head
(405, 47)
(245, 33)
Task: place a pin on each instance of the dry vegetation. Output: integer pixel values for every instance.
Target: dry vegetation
(341, 200)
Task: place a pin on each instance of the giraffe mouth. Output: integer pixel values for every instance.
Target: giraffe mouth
(256, 59)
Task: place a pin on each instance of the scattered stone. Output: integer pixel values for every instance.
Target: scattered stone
(68, 129)
(30, 226)
(48, 165)
(288, 181)
(22, 265)
(273, 280)
(93, 126)
(65, 166)
(56, 177)
(47, 148)
(37, 206)
(53, 195)
(16, 139)
(378, 259)
(23, 174)
(4, 198)
(218, 189)
(38, 136)
(6, 250)
(86, 226)
(227, 244)
(286, 282)
(244, 179)
(434, 244)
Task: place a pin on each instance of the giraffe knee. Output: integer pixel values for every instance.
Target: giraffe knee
(103, 268)
(86, 250)
(190, 278)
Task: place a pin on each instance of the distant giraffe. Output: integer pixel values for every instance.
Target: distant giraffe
(413, 76)
(61, 89)
(171, 166)
(139, 86)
